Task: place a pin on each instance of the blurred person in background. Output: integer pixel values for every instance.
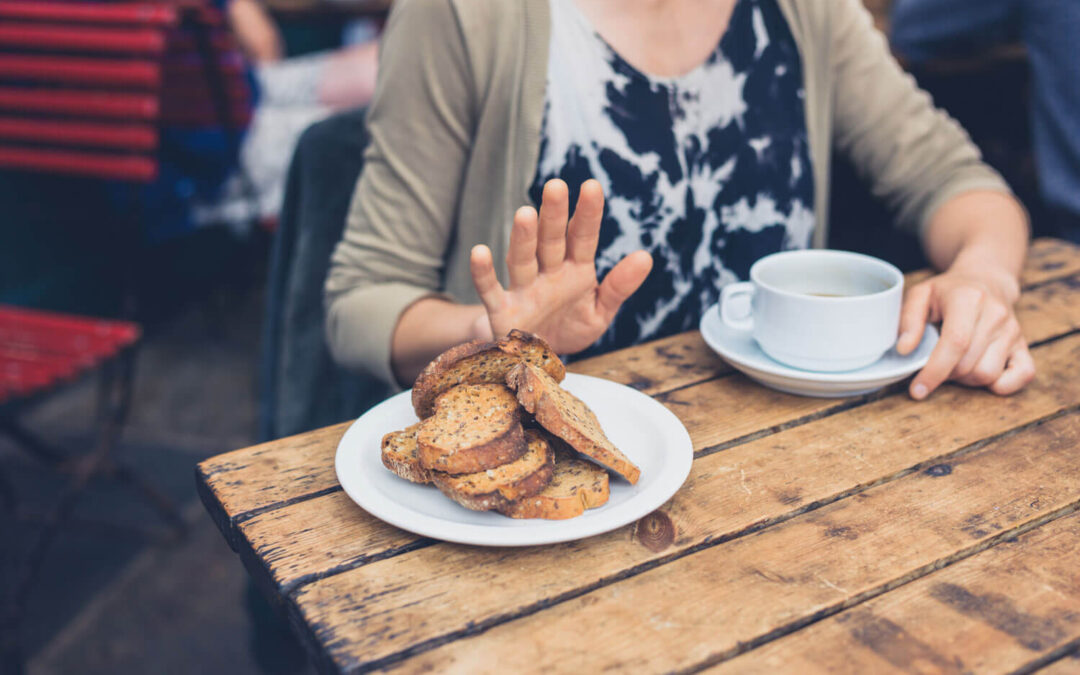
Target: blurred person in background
(922, 30)
(707, 125)
(293, 92)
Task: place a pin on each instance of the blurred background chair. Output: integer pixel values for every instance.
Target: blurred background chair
(301, 388)
(39, 352)
(90, 90)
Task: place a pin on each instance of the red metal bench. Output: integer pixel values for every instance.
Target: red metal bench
(39, 350)
(85, 86)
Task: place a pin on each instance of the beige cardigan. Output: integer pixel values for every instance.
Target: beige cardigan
(455, 132)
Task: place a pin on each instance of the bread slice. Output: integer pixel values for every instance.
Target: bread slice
(567, 416)
(475, 427)
(481, 362)
(533, 349)
(399, 454)
(577, 485)
(499, 487)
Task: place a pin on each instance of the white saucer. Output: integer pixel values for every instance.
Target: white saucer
(741, 350)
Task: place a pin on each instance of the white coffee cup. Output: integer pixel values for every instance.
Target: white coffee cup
(818, 310)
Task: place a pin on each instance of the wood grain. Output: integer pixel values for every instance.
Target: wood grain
(312, 540)
(407, 600)
(1069, 664)
(997, 611)
(238, 484)
(1050, 309)
(1050, 259)
(350, 537)
(280, 505)
(657, 366)
(708, 606)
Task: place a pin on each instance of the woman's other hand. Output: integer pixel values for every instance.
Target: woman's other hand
(981, 343)
(554, 291)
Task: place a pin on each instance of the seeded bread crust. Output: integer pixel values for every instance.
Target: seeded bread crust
(399, 454)
(475, 427)
(533, 349)
(498, 488)
(481, 362)
(567, 416)
(577, 485)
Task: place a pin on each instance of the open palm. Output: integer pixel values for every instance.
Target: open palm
(551, 262)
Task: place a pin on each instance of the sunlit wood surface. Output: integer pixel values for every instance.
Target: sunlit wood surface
(863, 535)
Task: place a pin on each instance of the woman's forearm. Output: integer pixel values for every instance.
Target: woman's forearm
(982, 232)
(429, 327)
(255, 31)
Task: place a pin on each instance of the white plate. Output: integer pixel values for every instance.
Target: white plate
(741, 350)
(646, 432)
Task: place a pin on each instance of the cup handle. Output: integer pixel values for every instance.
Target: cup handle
(727, 294)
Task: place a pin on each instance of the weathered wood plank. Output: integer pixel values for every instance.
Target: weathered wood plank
(1050, 259)
(236, 484)
(1050, 309)
(997, 611)
(657, 366)
(354, 537)
(351, 537)
(313, 538)
(743, 488)
(330, 533)
(708, 606)
(1067, 665)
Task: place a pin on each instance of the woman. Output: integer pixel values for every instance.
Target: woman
(709, 124)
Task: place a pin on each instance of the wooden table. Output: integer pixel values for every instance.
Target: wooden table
(864, 535)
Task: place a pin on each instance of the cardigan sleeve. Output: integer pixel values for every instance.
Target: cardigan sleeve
(914, 155)
(400, 221)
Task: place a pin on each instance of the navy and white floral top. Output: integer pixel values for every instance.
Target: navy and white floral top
(708, 171)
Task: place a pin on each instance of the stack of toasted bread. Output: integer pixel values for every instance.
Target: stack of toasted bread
(498, 433)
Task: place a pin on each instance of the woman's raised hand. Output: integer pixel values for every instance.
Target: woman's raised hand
(553, 288)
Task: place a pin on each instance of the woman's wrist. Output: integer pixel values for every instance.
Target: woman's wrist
(976, 263)
(428, 327)
(982, 235)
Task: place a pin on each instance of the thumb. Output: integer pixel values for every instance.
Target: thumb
(483, 276)
(913, 317)
(621, 282)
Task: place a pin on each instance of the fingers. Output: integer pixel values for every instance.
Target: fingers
(521, 257)
(1020, 372)
(913, 318)
(554, 210)
(583, 233)
(989, 328)
(483, 276)
(621, 282)
(960, 310)
(990, 365)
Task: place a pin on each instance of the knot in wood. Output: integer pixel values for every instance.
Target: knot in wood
(655, 531)
(939, 470)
